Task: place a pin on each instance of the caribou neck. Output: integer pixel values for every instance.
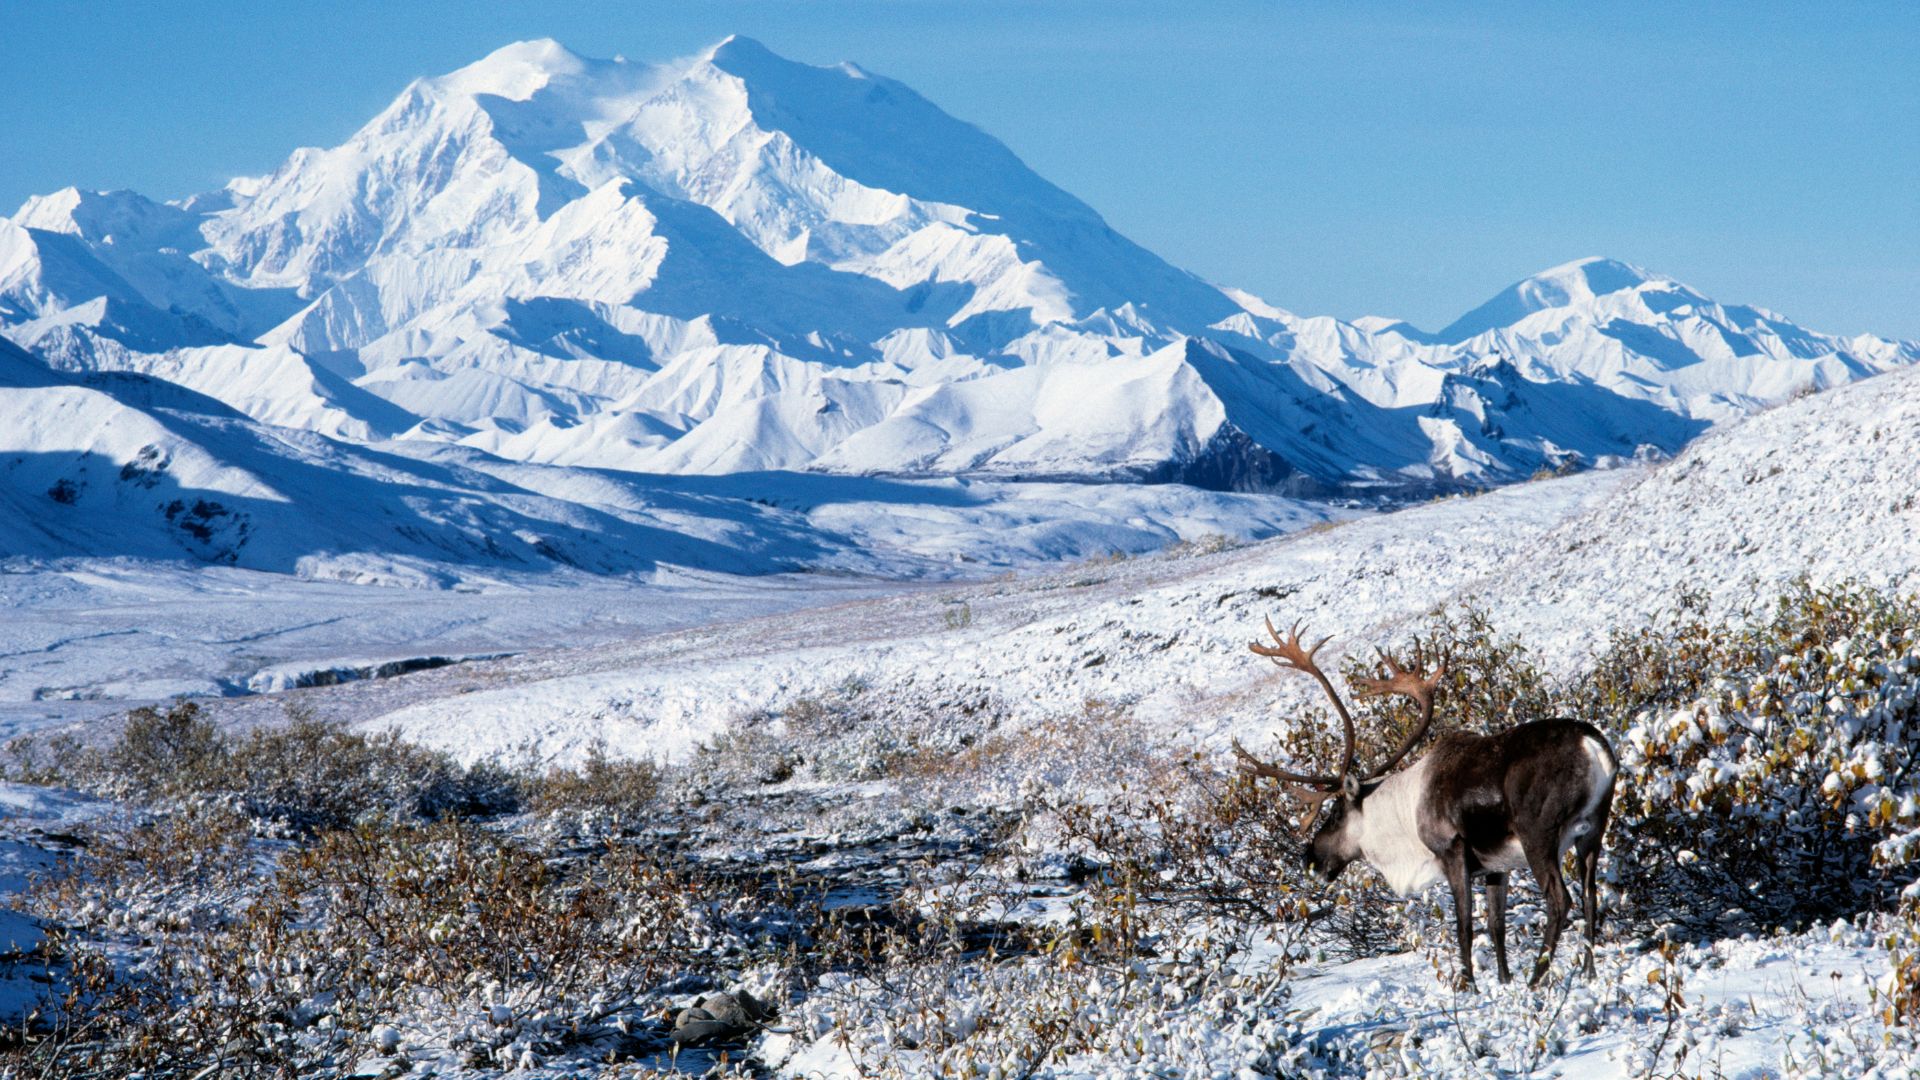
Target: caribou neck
(1390, 833)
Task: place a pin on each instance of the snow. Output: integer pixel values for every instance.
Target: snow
(732, 262)
(620, 404)
(1558, 564)
(1751, 1006)
(28, 815)
(158, 544)
(1167, 634)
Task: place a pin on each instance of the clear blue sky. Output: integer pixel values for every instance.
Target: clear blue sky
(1336, 159)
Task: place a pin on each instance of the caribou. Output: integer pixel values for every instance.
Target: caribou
(1474, 806)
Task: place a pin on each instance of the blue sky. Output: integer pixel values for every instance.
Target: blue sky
(1405, 160)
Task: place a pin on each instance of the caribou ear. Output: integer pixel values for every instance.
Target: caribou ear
(1350, 787)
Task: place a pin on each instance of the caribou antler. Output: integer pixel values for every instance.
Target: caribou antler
(1401, 681)
(1253, 766)
(1289, 653)
(1311, 790)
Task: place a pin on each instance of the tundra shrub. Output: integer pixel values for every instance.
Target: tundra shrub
(313, 775)
(164, 753)
(1767, 769)
(306, 775)
(601, 783)
(1491, 684)
(1768, 765)
(483, 949)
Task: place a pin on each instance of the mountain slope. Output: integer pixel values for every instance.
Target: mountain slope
(735, 262)
(1626, 327)
(116, 464)
(1823, 487)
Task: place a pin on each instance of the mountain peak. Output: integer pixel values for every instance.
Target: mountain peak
(535, 51)
(515, 71)
(1569, 283)
(753, 62)
(731, 261)
(1589, 277)
(740, 47)
(105, 216)
(52, 212)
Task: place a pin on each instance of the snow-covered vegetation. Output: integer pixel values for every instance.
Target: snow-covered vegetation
(909, 892)
(993, 826)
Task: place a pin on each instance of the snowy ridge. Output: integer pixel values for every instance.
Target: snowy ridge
(734, 262)
(119, 465)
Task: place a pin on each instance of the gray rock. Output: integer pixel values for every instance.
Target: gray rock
(718, 1018)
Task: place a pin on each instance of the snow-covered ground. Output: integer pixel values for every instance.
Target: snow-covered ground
(1166, 633)
(91, 639)
(36, 827)
(1749, 1009)
(83, 636)
(1818, 487)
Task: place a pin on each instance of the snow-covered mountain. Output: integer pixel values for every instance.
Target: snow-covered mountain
(120, 465)
(736, 262)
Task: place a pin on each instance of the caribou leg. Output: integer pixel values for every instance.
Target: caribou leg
(1589, 902)
(1589, 856)
(1546, 870)
(1455, 864)
(1497, 920)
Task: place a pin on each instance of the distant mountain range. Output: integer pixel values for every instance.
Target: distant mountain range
(739, 263)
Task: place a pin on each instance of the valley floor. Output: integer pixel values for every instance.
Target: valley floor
(90, 639)
(1164, 632)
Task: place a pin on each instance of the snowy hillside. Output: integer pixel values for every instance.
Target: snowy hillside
(115, 464)
(735, 262)
(1559, 564)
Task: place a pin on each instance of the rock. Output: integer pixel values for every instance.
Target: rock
(1386, 1040)
(718, 1018)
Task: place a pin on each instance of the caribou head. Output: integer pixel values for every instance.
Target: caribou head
(1338, 841)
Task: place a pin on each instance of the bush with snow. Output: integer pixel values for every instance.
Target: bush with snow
(303, 776)
(1767, 765)
(471, 946)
